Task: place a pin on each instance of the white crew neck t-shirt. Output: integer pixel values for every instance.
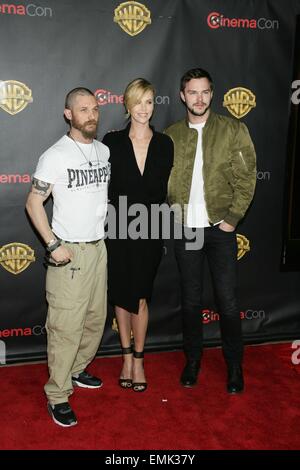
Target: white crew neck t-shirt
(79, 174)
(197, 214)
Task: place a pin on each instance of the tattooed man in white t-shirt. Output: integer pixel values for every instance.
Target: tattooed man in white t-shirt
(75, 171)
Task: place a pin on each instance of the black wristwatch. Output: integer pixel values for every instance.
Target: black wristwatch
(52, 245)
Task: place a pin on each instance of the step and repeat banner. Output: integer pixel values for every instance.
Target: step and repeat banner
(49, 47)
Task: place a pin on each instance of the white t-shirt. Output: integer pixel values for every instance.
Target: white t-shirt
(197, 214)
(80, 181)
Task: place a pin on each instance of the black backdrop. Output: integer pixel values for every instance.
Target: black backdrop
(49, 47)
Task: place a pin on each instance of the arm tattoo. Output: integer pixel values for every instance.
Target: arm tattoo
(40, 187)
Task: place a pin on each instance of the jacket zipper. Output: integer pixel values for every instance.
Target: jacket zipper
(241, 155)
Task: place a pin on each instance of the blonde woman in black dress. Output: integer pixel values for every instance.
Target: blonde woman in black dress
(141, 160)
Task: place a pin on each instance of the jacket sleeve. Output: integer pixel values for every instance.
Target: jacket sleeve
(243, 166)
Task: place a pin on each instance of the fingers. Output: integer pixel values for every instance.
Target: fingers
(53, 262)
(62, 254)
(226, 227)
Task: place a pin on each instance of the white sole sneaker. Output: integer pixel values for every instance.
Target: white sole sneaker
(80, 384)
(50, 411)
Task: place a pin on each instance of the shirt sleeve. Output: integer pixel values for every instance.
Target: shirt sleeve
(49, 167)
(243, 164)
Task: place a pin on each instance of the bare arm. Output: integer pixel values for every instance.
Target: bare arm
(39, 193)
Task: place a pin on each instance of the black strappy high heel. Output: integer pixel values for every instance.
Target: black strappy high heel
(123, 382)
(139, 386)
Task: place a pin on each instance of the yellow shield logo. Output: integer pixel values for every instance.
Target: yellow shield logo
(132, 17)
(114, 327)
(14, 96)
(243, 245)
(16, 257)
(239, 101)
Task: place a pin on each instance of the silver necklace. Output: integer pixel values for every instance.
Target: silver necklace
(88, 160)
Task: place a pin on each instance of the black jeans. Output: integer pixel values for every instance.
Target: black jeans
(221, 250)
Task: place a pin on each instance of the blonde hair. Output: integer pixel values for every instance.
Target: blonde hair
(135, 90)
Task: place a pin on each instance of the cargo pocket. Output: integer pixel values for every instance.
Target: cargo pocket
(60, 313)
(61, 280)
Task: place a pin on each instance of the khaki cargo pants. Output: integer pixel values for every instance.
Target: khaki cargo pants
(76, 294)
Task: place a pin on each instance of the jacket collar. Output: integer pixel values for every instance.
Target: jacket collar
(207, 122)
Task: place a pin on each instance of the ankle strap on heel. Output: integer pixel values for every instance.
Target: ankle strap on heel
(127, 350)
(138, 355)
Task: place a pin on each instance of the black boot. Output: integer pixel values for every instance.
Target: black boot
(235, 382)
(189, 374)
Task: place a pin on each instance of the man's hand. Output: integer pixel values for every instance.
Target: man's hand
(226, 227)
(62, 254)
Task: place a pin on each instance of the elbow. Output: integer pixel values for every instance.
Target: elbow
(28, 209)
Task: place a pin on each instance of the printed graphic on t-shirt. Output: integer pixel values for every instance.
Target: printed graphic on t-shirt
(79, 174)
(91, 177)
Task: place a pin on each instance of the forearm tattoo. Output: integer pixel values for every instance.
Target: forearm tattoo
(40, 187)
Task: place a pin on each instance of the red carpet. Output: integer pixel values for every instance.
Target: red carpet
(166, 416)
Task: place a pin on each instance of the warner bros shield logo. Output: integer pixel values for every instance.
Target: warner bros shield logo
(132, 17)
(243, 245)
(16, 257)
(14, 96)
(239, 101)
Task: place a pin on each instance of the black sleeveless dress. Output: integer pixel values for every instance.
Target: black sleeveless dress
(133, 263)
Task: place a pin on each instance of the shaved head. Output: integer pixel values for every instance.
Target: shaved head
(71, 96)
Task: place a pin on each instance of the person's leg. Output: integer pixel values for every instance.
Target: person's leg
(65, 323)
(124, 325)
(94, 285)
(64, 329)
(139, 324)
(222, 258)
(190, 266)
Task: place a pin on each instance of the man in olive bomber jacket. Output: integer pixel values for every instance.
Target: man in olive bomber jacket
(210, 189)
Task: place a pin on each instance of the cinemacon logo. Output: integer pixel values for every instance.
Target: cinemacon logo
(36, 330)
(25, 10)
(209, 316)
(14, 179)
(217, 20)
(104, 97)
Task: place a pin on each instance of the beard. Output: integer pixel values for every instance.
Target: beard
(83, 128)
(198, 113)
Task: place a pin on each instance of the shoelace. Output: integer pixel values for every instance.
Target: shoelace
(85, 375)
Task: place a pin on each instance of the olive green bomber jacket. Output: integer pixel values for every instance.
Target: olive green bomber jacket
(229, 168)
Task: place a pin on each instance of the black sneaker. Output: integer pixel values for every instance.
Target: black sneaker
(86, 380)
(62, 414)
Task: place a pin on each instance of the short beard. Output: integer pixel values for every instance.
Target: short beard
(87, 134)
(196, 113)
